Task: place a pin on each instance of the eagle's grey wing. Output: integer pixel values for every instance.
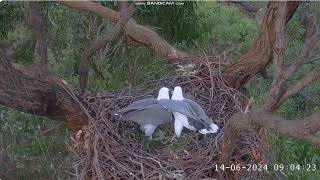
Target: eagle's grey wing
(198, 124)
(138, 105)
(197, 109)
(178, 106)
(153, 114)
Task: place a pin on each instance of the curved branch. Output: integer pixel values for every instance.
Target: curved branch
(298, 129)
(260, 54)
(278, 93)
(134, 31)
(94, 46)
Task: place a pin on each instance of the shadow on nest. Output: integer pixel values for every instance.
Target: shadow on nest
(114, 149)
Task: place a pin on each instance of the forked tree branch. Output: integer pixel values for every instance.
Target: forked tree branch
(263, 118)
(236, 74)
(40, 51)
(278, 93)
(278, 55)
(300, 129)
(134, 31)
(101, 42)
(261, 52)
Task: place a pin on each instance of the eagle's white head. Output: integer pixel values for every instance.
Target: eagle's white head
(177, 93)
(163, 93)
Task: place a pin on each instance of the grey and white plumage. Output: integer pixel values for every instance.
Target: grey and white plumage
(188, 114)
(148, 113)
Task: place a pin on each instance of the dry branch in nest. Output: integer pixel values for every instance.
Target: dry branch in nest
(109, 150)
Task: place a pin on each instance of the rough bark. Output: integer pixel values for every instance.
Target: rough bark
(263, 119)
(260, 54)
(298, 129)
(236, 74)
(40, 52)
(137, 33)
(278, 54)
(34, 90)
(22, 90)
(278, 92)
(52, 98)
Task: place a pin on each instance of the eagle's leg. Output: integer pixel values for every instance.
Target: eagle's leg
(178, 126)
(149, 129)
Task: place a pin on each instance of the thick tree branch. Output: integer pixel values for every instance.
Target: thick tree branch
(278, 54)
(134, 31)
(278, 93)
(40, 51)
(261, 52)
(236, 74)
(49, 96)
(259, 119)
(101, 42)
(279, 47)
(264, 119)
(299, 129)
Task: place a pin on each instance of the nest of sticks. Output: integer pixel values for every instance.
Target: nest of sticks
(111, 148)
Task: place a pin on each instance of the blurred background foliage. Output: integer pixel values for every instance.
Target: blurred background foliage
(37, 147)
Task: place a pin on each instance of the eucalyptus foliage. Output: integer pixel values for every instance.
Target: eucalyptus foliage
(205, 25)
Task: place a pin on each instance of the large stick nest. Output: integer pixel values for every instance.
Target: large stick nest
(111, 148)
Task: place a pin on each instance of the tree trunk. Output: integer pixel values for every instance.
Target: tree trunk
(262, 119)
(41, 52)
(260, 53)
(51, 97)
(22, 90)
